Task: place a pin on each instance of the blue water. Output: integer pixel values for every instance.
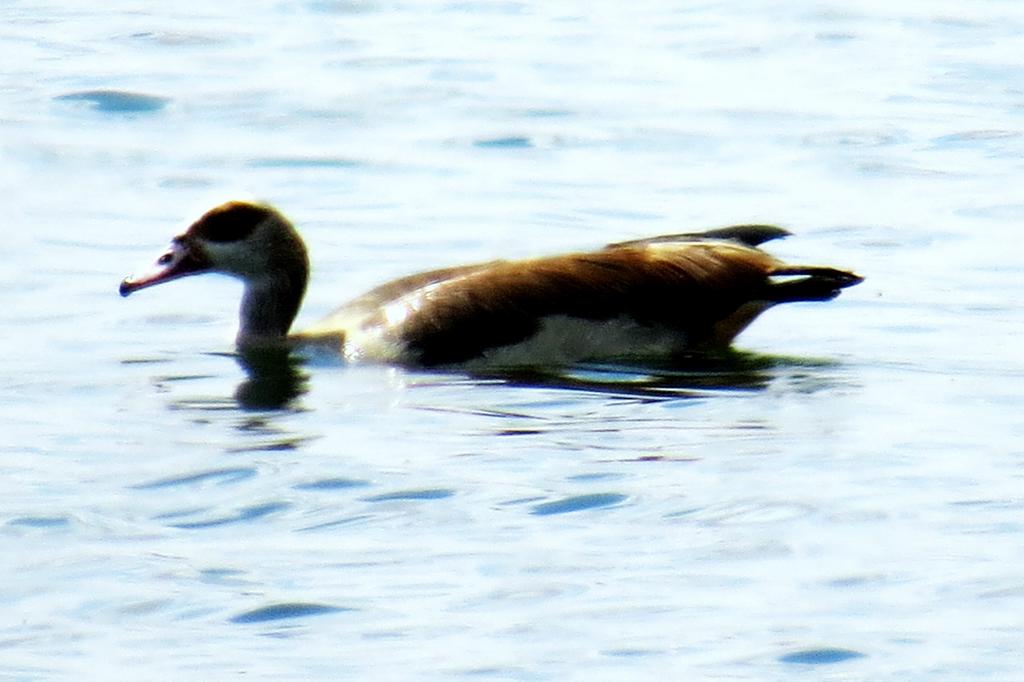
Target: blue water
(841, 501)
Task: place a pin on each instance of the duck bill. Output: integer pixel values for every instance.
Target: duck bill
(178, 261)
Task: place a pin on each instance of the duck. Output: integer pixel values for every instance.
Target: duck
(657, 298)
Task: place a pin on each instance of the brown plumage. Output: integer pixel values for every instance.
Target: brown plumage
(651, 297)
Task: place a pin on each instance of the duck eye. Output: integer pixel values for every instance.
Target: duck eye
(165, 259)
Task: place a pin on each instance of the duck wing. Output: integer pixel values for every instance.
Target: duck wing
(687, 287)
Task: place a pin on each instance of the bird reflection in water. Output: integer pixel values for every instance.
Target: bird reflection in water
(686, 376)
(274, 378)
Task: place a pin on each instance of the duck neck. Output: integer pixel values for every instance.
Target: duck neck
(269, 306)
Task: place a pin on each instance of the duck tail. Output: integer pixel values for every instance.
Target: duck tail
(809, 283)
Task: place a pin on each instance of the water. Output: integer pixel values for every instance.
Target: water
(841, 501)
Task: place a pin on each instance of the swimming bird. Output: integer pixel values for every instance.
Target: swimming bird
(650, 298)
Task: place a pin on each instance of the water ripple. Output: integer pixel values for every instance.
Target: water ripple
(40, 521)
(509, 142)
(578, 503)
(976, 137)
(332, 484)
(337, 522)
(117, 101)
(745, 512)
(219, 476)
(304, 162)
(822, 656)
(286, 610)
(245, 514)
(426, 494)
(856, 138)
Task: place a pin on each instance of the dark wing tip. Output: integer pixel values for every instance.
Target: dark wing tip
(749, 235)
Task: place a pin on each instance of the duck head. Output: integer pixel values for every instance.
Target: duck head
(251, 242)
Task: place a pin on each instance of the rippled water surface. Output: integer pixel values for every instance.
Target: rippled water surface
(839, 500)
